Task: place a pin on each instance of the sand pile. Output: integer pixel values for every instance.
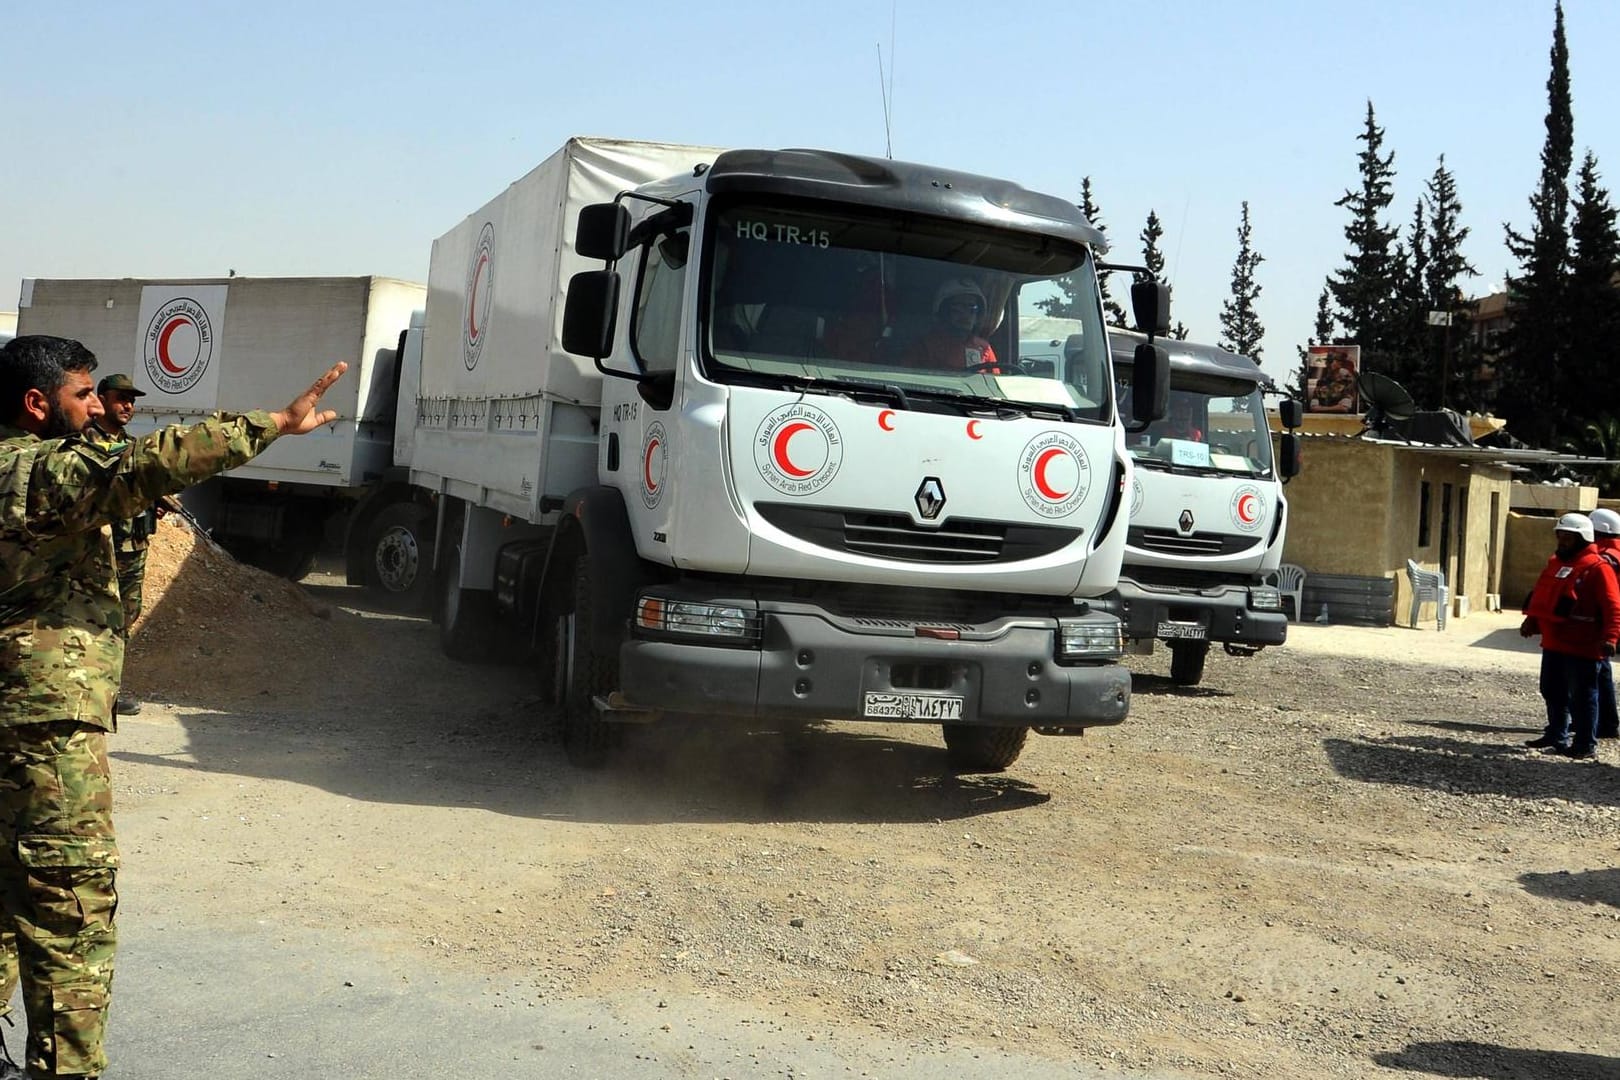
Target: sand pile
(215, 631)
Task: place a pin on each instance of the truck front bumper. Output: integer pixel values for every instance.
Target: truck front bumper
(815, 666)
(1171, 612)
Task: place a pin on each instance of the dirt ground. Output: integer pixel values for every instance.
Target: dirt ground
(1334, 859)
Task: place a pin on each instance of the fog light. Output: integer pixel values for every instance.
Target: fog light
(1265, 598)
(1090, 639)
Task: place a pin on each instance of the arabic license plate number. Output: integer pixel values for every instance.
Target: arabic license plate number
(912, 707)
(1182, 630)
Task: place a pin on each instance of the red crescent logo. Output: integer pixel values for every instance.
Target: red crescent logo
(163, 344)
(973, 430)
(779, 447)
(886, 419)
(1039, 475)
(472, 300)
(646, 465)
(1248, 509)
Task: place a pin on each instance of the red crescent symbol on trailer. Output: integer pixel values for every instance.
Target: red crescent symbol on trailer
(1248, 508)
(163, 344)
(1039, 476)
(646, 465)
(973, 430)
(472, 299)
(886, 419)
(779, 447)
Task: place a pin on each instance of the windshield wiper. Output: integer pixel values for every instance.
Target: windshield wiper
(806, 384)
(1002, 407)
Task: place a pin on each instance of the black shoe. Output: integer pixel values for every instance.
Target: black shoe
(1578, 753)
(126, 704)
(1543, 742)
(1556, 749)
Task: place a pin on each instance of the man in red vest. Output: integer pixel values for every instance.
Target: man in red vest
(1575, 607)
(1606, 538)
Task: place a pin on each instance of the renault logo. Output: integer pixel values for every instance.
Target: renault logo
(1185, 521)
(930, 498)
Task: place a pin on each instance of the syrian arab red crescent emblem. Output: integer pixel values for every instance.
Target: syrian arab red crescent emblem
(798, 449)
(1248, 509)
(1054, 474)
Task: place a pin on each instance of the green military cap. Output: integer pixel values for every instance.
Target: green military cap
(119, 382)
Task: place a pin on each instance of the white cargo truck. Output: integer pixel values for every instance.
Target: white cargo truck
(1207, 512)
(800, 471)
(202, 344)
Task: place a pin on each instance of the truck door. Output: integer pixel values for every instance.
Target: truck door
(644, 416)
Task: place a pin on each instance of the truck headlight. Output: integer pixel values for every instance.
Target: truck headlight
(690, 618)
(1265, 598)
(1090, 639)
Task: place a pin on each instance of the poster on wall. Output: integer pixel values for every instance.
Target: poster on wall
(1330, 378)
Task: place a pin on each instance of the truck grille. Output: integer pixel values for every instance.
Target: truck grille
(897, 537)
(1170, 542)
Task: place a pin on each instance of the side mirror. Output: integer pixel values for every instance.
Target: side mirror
(1289, 456)
(590, 312)
(1291, 411)
(1150, 303)
(602, 232)
(1150, 384)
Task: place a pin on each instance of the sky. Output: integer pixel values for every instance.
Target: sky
(291, 139)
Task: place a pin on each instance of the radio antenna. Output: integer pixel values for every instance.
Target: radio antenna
(886, 85)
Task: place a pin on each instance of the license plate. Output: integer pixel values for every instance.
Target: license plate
(1183, 630)
(912, 707)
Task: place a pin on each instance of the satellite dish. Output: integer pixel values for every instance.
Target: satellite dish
(1385, 400)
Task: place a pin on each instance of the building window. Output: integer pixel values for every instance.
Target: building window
(1423, 514)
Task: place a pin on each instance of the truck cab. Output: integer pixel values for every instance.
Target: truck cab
(1207, 512)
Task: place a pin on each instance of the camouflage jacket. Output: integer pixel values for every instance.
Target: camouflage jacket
(129, 535)
(61, 653)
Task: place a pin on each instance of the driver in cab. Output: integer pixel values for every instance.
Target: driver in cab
(953, 342)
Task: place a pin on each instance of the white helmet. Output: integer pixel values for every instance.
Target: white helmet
(1579, 524)
(1605, 522)
(955, 288)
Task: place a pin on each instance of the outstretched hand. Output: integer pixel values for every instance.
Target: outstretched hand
(301, 417)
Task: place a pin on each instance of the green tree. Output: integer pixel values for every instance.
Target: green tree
(1598, 438)
(1067, 305)
(1321, 334)
(1405, 357)
(1593, 302)
(1535, 389)
(1152, 257)
(1241, 329)
(1458, 364)
(1364, 289)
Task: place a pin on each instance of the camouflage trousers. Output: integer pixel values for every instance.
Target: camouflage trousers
(58, 863)
(131, 574)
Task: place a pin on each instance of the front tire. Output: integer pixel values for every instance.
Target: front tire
(1187, 662)
(399, 557)
(983, 749)
(583, 673)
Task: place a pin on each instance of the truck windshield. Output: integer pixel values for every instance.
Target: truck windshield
(805, 294)
(1215, 424)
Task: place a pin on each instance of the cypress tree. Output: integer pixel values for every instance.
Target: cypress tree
(1152, 257)
(1241, 330)
(1536, 342)
(1458, 363)
(1364, 289)
(1593, 302)
(1321, 334)
(1067, 305)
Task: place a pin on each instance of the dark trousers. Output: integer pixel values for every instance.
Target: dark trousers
(1608, 718)
(1569, 686)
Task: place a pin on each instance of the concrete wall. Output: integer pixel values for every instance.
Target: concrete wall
(1529, 543)
(1356, 508)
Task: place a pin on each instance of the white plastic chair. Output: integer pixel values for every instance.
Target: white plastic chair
(1428, 587)
(1291, 582)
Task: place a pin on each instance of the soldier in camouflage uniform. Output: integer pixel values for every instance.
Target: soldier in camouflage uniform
(132, 537)
(61, 658)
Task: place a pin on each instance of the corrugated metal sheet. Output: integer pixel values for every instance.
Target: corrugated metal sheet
(1350, 599)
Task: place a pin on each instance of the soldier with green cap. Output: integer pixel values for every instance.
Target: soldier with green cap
(132, 537)
(61, 658)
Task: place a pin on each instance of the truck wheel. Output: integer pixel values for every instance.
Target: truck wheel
(983, 749)
(466, 616)
(1187, 662)
(398, 557)
(584, 672)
